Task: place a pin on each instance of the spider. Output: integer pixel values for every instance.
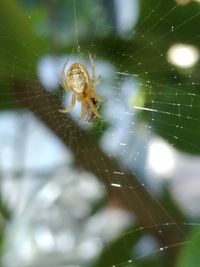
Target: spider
(78, 80)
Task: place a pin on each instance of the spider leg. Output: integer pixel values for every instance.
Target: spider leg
(93, 68)
(93, 80)
(63, 70)
(73, 102)
(61, 83)
(93, 108)
(65, 86)
(83, 107)
(100, 99)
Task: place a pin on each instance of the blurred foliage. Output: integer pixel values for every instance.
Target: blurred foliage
(172, 92)
(19, 48)
(4, 218)
(121, 250)
(189, 255)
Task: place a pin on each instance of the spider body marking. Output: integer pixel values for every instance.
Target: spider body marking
(78, 80)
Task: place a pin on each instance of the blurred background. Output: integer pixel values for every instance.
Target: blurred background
(125, 189)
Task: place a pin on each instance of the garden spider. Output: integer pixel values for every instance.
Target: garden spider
(77, 80)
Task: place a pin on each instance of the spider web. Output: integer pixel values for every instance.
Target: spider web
(149, 123)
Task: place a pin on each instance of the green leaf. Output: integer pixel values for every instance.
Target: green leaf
(19, 47)
(190, 256)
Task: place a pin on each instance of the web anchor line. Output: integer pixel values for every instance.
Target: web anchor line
(76, 28)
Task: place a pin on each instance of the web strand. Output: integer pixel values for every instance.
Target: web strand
(76, 29)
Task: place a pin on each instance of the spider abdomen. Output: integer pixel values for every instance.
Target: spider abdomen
(77, 78)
